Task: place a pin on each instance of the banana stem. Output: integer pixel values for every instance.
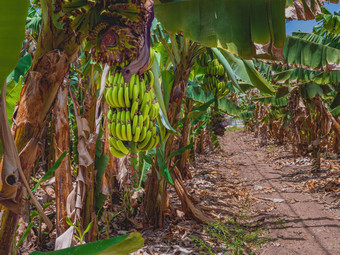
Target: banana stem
(134, 163)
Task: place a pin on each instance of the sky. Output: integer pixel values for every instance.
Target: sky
(307, 26)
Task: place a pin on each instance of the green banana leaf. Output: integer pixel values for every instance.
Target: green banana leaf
(310, 90)
(120, 245)
(331, 22)
(271, 101)
(196, 93)
(247, 28)
(12, 31)
(304, 53)
(13, 96)
(246, 71)
(336, 111)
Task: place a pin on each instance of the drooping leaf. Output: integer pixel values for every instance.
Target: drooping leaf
(246, 71)
(307, 54)
(121, 245)
(226, 24)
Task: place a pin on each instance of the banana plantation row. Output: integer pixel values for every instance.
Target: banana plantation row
(105, 87)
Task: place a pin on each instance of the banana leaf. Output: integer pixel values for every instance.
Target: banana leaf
(246, 71)
(12, 31)
(247, 28)
(197, 94)
(271, 101)
(120, 245)
(310, 90)
(303, 53)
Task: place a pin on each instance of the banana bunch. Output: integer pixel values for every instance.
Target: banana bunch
(132, 118)
(215, 68)
(214, 79)
(203, 60)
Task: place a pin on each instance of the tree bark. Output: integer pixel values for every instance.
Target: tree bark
(55, 51)
(61, 142)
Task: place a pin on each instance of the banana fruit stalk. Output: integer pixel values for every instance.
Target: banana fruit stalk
(132, 114)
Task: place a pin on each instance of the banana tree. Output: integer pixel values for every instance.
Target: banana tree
(116, 39)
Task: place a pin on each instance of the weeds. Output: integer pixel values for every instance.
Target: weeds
(231, 237)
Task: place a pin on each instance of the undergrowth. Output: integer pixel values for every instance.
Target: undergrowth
(231, 237)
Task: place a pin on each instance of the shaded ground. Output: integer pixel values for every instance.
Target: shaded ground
(300, 212)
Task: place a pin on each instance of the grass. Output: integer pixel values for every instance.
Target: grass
(234, 128)
(234, 236)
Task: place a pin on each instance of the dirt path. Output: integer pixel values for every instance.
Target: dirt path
(298, 222)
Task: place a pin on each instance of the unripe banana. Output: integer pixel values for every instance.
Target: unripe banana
(110, 114)
(145, 112)
(121, 96)
(129, 131)
(113, 129)
(142, 134)
(122, 147)
(145, 141)
(132, 82)
(142, 91)
(116, 153)
(152, 78)
(114, 95)
(123, 131)
(135, 91)
(140, 119)
(115, 78)
(126, 95)
(137, 134)
(134, 123)
(109, 97)
(119, 130)
(150, 144)
(134, 107)
(147, 122)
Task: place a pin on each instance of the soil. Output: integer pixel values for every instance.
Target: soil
(299, 212)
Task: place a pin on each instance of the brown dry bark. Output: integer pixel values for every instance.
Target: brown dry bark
(55, 51)
(183, 164)
(61, 142)
(108, 180)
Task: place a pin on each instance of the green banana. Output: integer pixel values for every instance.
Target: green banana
(142, 134)
(137, 134)
(121, 96)
(129, 131)
(123, 131)
(118, 130)
(114, 95)
(134, 123)
(126, 95)
(152, 78)
(131, 84)
(145, 141)
(134, 107)
(135, 91)
(145, 112)
(122, 147)
(116, 153)
(140, 119)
